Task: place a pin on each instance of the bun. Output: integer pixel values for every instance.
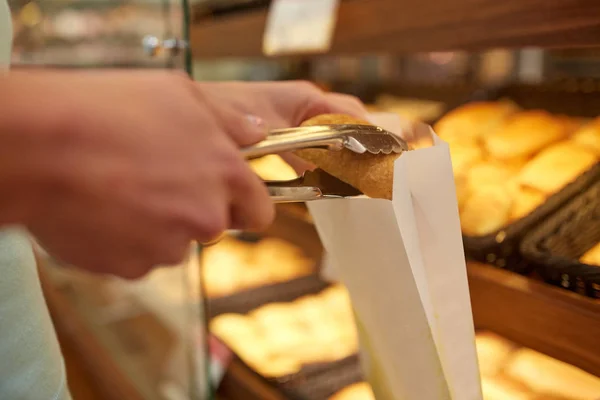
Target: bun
(547, 375)
(556, 166)
(493, 352)
(372, 174)
(526, 133)
(486, 211)
(464, 156)
(589, 136)
(525, 201)
(471, 122)
(504, 389)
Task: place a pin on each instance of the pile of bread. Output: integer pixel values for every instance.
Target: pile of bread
(509, 372)
(232, 265)
(277, 339)
(508, 161)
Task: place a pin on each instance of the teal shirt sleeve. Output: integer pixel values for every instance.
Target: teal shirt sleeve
(31, 363)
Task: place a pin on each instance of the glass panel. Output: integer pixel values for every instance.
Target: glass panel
(94, 33)
(147, 334)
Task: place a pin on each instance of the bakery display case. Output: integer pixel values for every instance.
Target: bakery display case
(518, 106)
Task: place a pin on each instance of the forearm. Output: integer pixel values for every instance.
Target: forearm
(27, 127)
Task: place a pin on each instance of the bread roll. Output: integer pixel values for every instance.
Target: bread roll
(493, 352)
(469, 123)
(488, 173)
(504, 389)
(526, 133)
(547, 375)
(358, 391)
(486, 211)
(592, 256)
(525, 201)
(373, 174)
(463, 157)
(556, 166)
(589, 136)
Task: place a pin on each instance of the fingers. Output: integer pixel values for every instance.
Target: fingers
(244, 130)
(312, 101)
(251, 206)
(346, 104)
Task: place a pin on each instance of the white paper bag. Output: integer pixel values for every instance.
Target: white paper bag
(404, 266)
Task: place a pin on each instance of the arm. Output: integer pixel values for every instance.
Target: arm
(117, 172)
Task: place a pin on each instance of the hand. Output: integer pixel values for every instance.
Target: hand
(282, 104)
(128, 168)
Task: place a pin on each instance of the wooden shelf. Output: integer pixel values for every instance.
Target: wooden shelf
(390, 26)
(559, 323)
(553, 321)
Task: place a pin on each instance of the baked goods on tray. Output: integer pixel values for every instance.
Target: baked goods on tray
(544, 374)
(556, 166)
(510, 372)
(370, 173)
(493, 352)
(589, 136)
(507, 161)
(232, 265)
(277, 339)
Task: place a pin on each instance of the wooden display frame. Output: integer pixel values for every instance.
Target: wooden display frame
(390, 26)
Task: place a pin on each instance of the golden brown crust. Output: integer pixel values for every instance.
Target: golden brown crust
(525, 201)
(473, 121)
(501, 388)
(493, 352)
(544, 374)
(526, 133)
(485, 211)
(370, 173)
(589, 136)
(556, 166)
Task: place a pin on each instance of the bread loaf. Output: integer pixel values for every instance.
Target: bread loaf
(372, 174)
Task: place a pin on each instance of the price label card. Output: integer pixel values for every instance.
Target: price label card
(300, 26)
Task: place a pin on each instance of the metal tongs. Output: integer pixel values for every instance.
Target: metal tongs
(318, 184)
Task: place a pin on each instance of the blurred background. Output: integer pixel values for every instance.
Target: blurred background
(532, 249)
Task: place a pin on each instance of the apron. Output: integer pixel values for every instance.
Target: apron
(31, 364)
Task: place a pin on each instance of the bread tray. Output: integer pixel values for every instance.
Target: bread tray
(570, 97)
(501, 248)
(556, 245)
(313, 382)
